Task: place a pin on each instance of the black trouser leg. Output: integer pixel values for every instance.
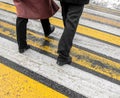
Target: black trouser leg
(21, 28)
(64, 11)
(71, 19)
(46, 26)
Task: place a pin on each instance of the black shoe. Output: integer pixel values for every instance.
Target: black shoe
(62, 62)
(22, 50)
(52, 28)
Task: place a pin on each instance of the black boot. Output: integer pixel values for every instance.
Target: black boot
(22, 50)
(47, 27)
(64, 60)
(52, 28)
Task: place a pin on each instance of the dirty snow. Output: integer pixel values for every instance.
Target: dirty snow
(112, 4)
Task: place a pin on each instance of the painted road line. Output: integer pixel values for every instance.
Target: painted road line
(102, 20)
(81, 57)
(103, 14)
(73, 78)
(103, 9)
(48, 88)
(17, 85)
(86, 31)
(92, 33)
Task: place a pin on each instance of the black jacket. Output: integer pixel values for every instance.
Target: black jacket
(75, 1)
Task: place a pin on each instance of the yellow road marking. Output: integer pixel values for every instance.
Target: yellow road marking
(101, 19)
(102, 9)
(81, 29)
(86, 59)
(10, 8)
(16, 85)
(91, 32)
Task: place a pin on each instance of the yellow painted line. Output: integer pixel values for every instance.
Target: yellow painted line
(91, 32)
(75, 52)
(5, 6)
(103, 9)
(16, 85)
(101, 19)
(96, 67)
(81, 29)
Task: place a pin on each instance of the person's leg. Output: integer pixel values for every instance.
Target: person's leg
(64, 7)
(21, 34)
(65, 43)
(47, 27)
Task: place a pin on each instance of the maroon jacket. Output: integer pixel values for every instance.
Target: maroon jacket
(35, 9)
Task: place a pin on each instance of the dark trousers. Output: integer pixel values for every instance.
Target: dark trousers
(21, 30)
(71, 14)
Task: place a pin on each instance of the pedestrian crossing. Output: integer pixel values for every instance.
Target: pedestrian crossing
(80, 56)
(82, 29)
(99, 64)
(77, 80)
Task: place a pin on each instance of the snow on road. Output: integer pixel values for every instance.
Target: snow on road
(113, 4)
